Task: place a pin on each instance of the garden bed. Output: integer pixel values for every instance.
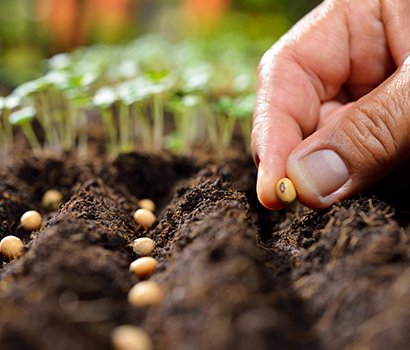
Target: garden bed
(234, 275)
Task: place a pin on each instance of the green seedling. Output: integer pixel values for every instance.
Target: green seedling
(104, 100)
(242, 111)
(24, 118)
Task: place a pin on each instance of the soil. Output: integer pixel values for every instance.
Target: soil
(234, 275)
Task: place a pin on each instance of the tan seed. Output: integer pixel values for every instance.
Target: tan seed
(31, 220)
(144, 217)
(146, 293)
(11, 247)
(286, 192)
(130, 338)
(144, 267)
(147, 204)
(143, 246)
(51, 199)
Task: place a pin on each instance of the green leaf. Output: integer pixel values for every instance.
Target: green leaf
(105, 97)
(22, 116)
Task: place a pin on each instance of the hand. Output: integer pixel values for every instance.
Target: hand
(333, 102)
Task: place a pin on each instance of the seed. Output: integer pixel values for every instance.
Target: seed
(11, 247)
(31, 220)
(130, 338)
(144, 267)
(147, 204)
(286, 192)
(143, 246)
(144, 217)
(145, 293)
(51, 199)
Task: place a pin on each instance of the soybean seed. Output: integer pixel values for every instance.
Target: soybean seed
(11, 247)
(51, 199)
(143, 246)
(144, 267)
(144, 218)
(129, 337)
(147, 204)
(31, 220)
(286, 192)
(145, 293)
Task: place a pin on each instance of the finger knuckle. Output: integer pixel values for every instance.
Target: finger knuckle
(373, 129)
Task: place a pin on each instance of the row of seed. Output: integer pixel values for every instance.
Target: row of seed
(12, 246)
(145, 293)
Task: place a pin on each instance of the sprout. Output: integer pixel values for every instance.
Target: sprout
(196, 78)
(59, 62)
(104, 99)
(23, 118)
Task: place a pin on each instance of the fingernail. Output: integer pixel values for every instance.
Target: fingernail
(323, 171)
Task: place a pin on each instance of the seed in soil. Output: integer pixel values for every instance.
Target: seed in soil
(51, 200)
(144, 266)
(31, 220)
(143, 246)
(147, 204)
(129, 337)
(11, 247)
(145, 293)
(144, 218)
(286, 192)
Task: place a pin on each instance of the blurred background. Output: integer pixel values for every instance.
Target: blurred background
(33, 30)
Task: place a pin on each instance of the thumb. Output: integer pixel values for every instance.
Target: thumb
(357, 147)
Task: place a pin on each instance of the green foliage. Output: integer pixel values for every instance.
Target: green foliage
(200, 89)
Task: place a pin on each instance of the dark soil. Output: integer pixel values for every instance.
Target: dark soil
(234, 275)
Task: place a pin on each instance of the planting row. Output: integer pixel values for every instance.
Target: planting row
(149, 93)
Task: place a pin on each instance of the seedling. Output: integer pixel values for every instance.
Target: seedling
(129, 337)
(51, 200)
(24, 118)
(104, 99)
(285, 191)
(147, 204)
(11, 247)
(143, 246)
(144, 218)
(145, 293)
(31, 220)
(144, 266)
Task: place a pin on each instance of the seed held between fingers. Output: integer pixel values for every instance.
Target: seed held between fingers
(31, 220)
(144, 266)
(285, 191)
(11, 247)
(145, 293)
(143, 246)
(129, 337)
(144, 217)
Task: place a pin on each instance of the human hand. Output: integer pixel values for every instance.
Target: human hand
(333, 102)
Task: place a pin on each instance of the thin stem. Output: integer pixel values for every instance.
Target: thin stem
(158, 116)
(246, 128)
(82, 131)
(31, 136)
(124, 128)
(108, 119)
(144, 126)
(211, 125)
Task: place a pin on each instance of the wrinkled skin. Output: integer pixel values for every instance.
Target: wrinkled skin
(339, 81)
